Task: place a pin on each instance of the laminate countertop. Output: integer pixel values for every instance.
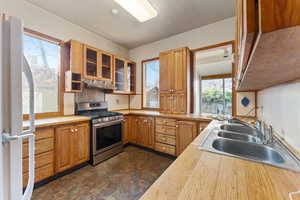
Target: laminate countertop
(55, 121)
(198, 174)
(195, 117)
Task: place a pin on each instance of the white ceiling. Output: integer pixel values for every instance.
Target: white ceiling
(174, 16)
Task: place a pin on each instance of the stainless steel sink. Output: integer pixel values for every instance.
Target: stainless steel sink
(242, 129)
(248, 150)
(238, 136)
(244, 144)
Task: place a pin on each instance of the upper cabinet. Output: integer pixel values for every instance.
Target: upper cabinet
(106, 66)
(175, 70)
(267, 43)
(91, 63)
(124, 76)
(72, 52)
(98, 65)
(82, 61)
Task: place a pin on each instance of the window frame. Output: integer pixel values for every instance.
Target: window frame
(143, 62)
(221, 76)
(58, 42)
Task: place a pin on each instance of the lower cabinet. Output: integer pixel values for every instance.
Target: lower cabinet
(139, 130)
(72, 146)
(166, 135)
(57, 149)
(44, 155)
(186, 132)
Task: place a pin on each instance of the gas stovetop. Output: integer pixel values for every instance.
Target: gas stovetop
(97, 112)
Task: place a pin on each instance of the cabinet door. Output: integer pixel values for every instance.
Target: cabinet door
(179, 103)
(142, 138)
(120, 71)
(180, 70)
(76, 57)
(91, 63)
(166, 82)
(150, 133)
(166, 102)
(134, 126)
(131, 77)
(106, 66)
(126, 129)
(81, 144)
(185, 133)
(63, 148)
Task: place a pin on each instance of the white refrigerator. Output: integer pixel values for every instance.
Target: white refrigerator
(12, 67)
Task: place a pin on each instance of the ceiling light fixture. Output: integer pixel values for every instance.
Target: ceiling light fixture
(142, 10)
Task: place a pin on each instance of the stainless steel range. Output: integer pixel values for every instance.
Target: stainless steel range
(106, 130)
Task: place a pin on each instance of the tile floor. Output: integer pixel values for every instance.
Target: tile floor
(124, 177)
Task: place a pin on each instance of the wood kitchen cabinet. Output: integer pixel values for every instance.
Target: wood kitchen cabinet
(186, 132)
(145, 134)
(124, 76)
(71, 146)
(175, 70)
(141, 131)
(44, 155)
(72, 52)
(267, 43)
(126, 129)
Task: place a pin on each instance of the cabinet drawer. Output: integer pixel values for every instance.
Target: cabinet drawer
(41, 146)
(40, 160)
(166, 139)
(42, 133)
(168, 130)
(165, 148)
(40, 174)
(165, 121)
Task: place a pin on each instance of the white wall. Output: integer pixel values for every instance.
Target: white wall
(45, 22)
(218, 32)
(281, 109)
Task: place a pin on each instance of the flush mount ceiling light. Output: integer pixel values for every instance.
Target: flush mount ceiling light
(142, 10)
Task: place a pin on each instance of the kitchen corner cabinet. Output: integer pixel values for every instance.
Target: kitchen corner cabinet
(174, 92)
(124, 77)
(267, 43)
(141, 131)
(72, 52)
(72, 146)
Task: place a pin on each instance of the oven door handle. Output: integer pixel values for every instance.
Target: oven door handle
(105, 124)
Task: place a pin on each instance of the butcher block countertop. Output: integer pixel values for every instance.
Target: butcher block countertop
(198, 174)
(158, 114)
(55, 121)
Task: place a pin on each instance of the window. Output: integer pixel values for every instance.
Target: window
(216, 96)
(44, 60)
(151, 84)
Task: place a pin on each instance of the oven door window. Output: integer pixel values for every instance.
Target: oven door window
(107, 136)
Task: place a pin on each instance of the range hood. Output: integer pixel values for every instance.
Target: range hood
(105, 85)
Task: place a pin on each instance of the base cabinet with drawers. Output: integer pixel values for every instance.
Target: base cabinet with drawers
(57, 149)
(166, 135)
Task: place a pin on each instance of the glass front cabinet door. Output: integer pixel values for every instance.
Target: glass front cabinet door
(124, 76)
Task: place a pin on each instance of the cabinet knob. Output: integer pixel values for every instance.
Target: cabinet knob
(76, 130)
(176, 126)
(72, 130)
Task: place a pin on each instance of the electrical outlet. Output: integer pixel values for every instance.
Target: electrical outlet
(117, 101)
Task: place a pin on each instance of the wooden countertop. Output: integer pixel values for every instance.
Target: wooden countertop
(158, 114)
(54, 121)
(197, 174)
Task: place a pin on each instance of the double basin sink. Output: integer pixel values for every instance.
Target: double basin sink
(244, 141)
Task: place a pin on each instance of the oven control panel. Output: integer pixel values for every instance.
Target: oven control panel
(107, 119)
